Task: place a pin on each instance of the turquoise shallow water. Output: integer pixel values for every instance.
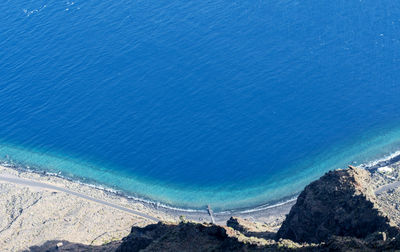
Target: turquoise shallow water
(193, 103)
(222, 197)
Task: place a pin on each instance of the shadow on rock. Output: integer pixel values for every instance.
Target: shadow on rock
(188, 236)
(251, 228)
(58, 246)
(185, 236)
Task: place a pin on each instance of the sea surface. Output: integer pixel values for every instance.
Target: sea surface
(189, 103)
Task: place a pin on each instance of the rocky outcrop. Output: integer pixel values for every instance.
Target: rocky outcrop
(251, 228)
(189, 236)
(341, 203)
(179, 237)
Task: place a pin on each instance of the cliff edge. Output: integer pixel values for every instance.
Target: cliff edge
(340, 203)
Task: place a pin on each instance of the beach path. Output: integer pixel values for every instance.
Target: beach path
(40, 185)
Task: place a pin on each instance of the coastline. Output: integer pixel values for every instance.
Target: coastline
(64, 209)
(160, 211)
(223, 197)
(53, 208)
(171, 212)
(162, 195)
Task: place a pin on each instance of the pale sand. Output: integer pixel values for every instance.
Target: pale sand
(38, 207)
(32, 215)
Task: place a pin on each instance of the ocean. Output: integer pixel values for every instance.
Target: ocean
(189, 103)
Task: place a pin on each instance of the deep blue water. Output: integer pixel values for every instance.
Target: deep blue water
(232, 103)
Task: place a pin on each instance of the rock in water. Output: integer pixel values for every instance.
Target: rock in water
(340, 203)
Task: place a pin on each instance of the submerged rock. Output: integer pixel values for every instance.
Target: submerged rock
(340, 203)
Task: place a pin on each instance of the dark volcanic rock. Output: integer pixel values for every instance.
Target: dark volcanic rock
(340, 203)
(189, 236)
(374, 242)
(181, 237)
(236, 223)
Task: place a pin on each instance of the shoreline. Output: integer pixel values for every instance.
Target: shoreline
(20, 167)
(266, 194)
(275, 209)
(266, 212)
(60, 168)
(41, 206)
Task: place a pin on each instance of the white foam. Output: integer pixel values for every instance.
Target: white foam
(269, 206)
(384, 159)
(385, 169)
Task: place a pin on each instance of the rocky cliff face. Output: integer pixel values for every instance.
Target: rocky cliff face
(341, 203)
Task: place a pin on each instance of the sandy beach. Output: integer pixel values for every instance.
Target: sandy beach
(39, 207)
(46, 208)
